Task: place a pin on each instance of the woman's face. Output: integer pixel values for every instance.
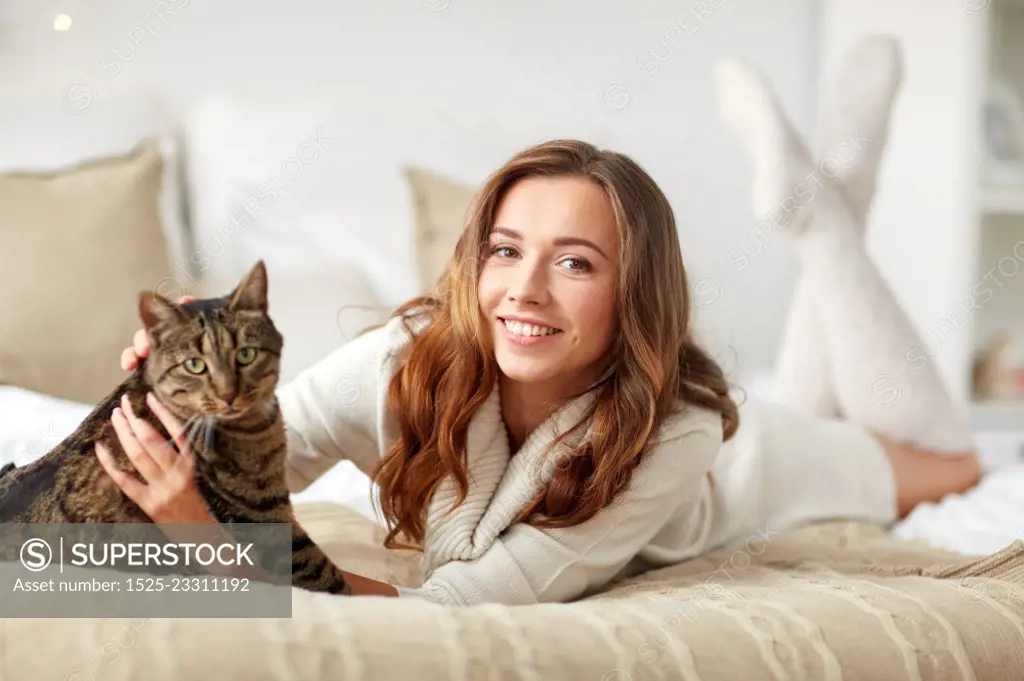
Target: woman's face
(547, 289)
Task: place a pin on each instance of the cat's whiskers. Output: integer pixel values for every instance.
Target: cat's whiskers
(211, 424)
(192, 426)
(200, 433)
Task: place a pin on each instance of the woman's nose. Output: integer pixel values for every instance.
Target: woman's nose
(528, 286)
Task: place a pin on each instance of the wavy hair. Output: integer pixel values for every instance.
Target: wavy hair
(450, 369)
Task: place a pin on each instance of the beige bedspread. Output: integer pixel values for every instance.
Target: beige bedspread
(824, 603)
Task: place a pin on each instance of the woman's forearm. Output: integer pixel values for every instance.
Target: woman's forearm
(364, 586)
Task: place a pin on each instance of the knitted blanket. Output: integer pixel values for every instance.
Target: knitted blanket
(830, 602)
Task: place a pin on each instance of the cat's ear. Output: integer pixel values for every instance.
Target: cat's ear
(154, 309)
(251, 293)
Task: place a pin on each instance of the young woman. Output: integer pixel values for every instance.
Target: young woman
(548, 422)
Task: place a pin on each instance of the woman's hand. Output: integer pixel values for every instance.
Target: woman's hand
(169, 493)
(140, 345)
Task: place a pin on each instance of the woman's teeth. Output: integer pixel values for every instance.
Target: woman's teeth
(521, 329)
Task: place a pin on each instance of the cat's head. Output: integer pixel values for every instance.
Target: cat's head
(217, 356)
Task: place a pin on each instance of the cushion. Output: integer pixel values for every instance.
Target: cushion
(79, 245)
(321, 184)
(441, 206)
(51, 138)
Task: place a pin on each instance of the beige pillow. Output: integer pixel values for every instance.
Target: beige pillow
(441, 208)
(78, 246)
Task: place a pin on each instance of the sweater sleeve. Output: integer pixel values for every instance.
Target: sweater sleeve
(526, 565)
(337, 408)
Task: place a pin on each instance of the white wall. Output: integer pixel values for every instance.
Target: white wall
(636, 76)
(924, 231)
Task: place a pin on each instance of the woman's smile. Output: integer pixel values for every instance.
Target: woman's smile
(527, 333)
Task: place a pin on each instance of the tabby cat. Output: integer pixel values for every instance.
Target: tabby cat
(214, 364)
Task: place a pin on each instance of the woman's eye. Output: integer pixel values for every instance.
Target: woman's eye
(504, 252)
(577, 264)
(246, 355)
(195, 365)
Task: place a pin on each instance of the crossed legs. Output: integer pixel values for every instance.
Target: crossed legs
(849, 350)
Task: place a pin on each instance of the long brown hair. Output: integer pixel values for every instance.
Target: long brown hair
(450, 368)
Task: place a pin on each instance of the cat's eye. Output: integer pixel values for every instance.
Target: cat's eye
(247, 355)
(195, 365)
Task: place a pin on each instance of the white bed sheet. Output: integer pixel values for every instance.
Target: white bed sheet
(982, 521)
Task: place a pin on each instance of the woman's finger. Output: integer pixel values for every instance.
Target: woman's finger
(140, 343)
(129, 360)
(158, 448)
(132, 488)
(171, 423)
(142, 461)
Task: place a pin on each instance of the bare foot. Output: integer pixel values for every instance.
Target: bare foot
(923, 475)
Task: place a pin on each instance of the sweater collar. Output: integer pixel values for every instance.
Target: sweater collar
(500, 485)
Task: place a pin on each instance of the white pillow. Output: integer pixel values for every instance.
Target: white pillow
(291, 184)
(44, 135)
(324, 181)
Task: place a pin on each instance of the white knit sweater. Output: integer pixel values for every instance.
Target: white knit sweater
(337, 410)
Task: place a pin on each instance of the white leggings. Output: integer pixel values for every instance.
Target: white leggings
(851, 362)
(851, 359)
(809, 454)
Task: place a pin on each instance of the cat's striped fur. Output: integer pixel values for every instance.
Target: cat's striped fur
(240, 459)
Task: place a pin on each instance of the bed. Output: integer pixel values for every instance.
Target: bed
(825, 602)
